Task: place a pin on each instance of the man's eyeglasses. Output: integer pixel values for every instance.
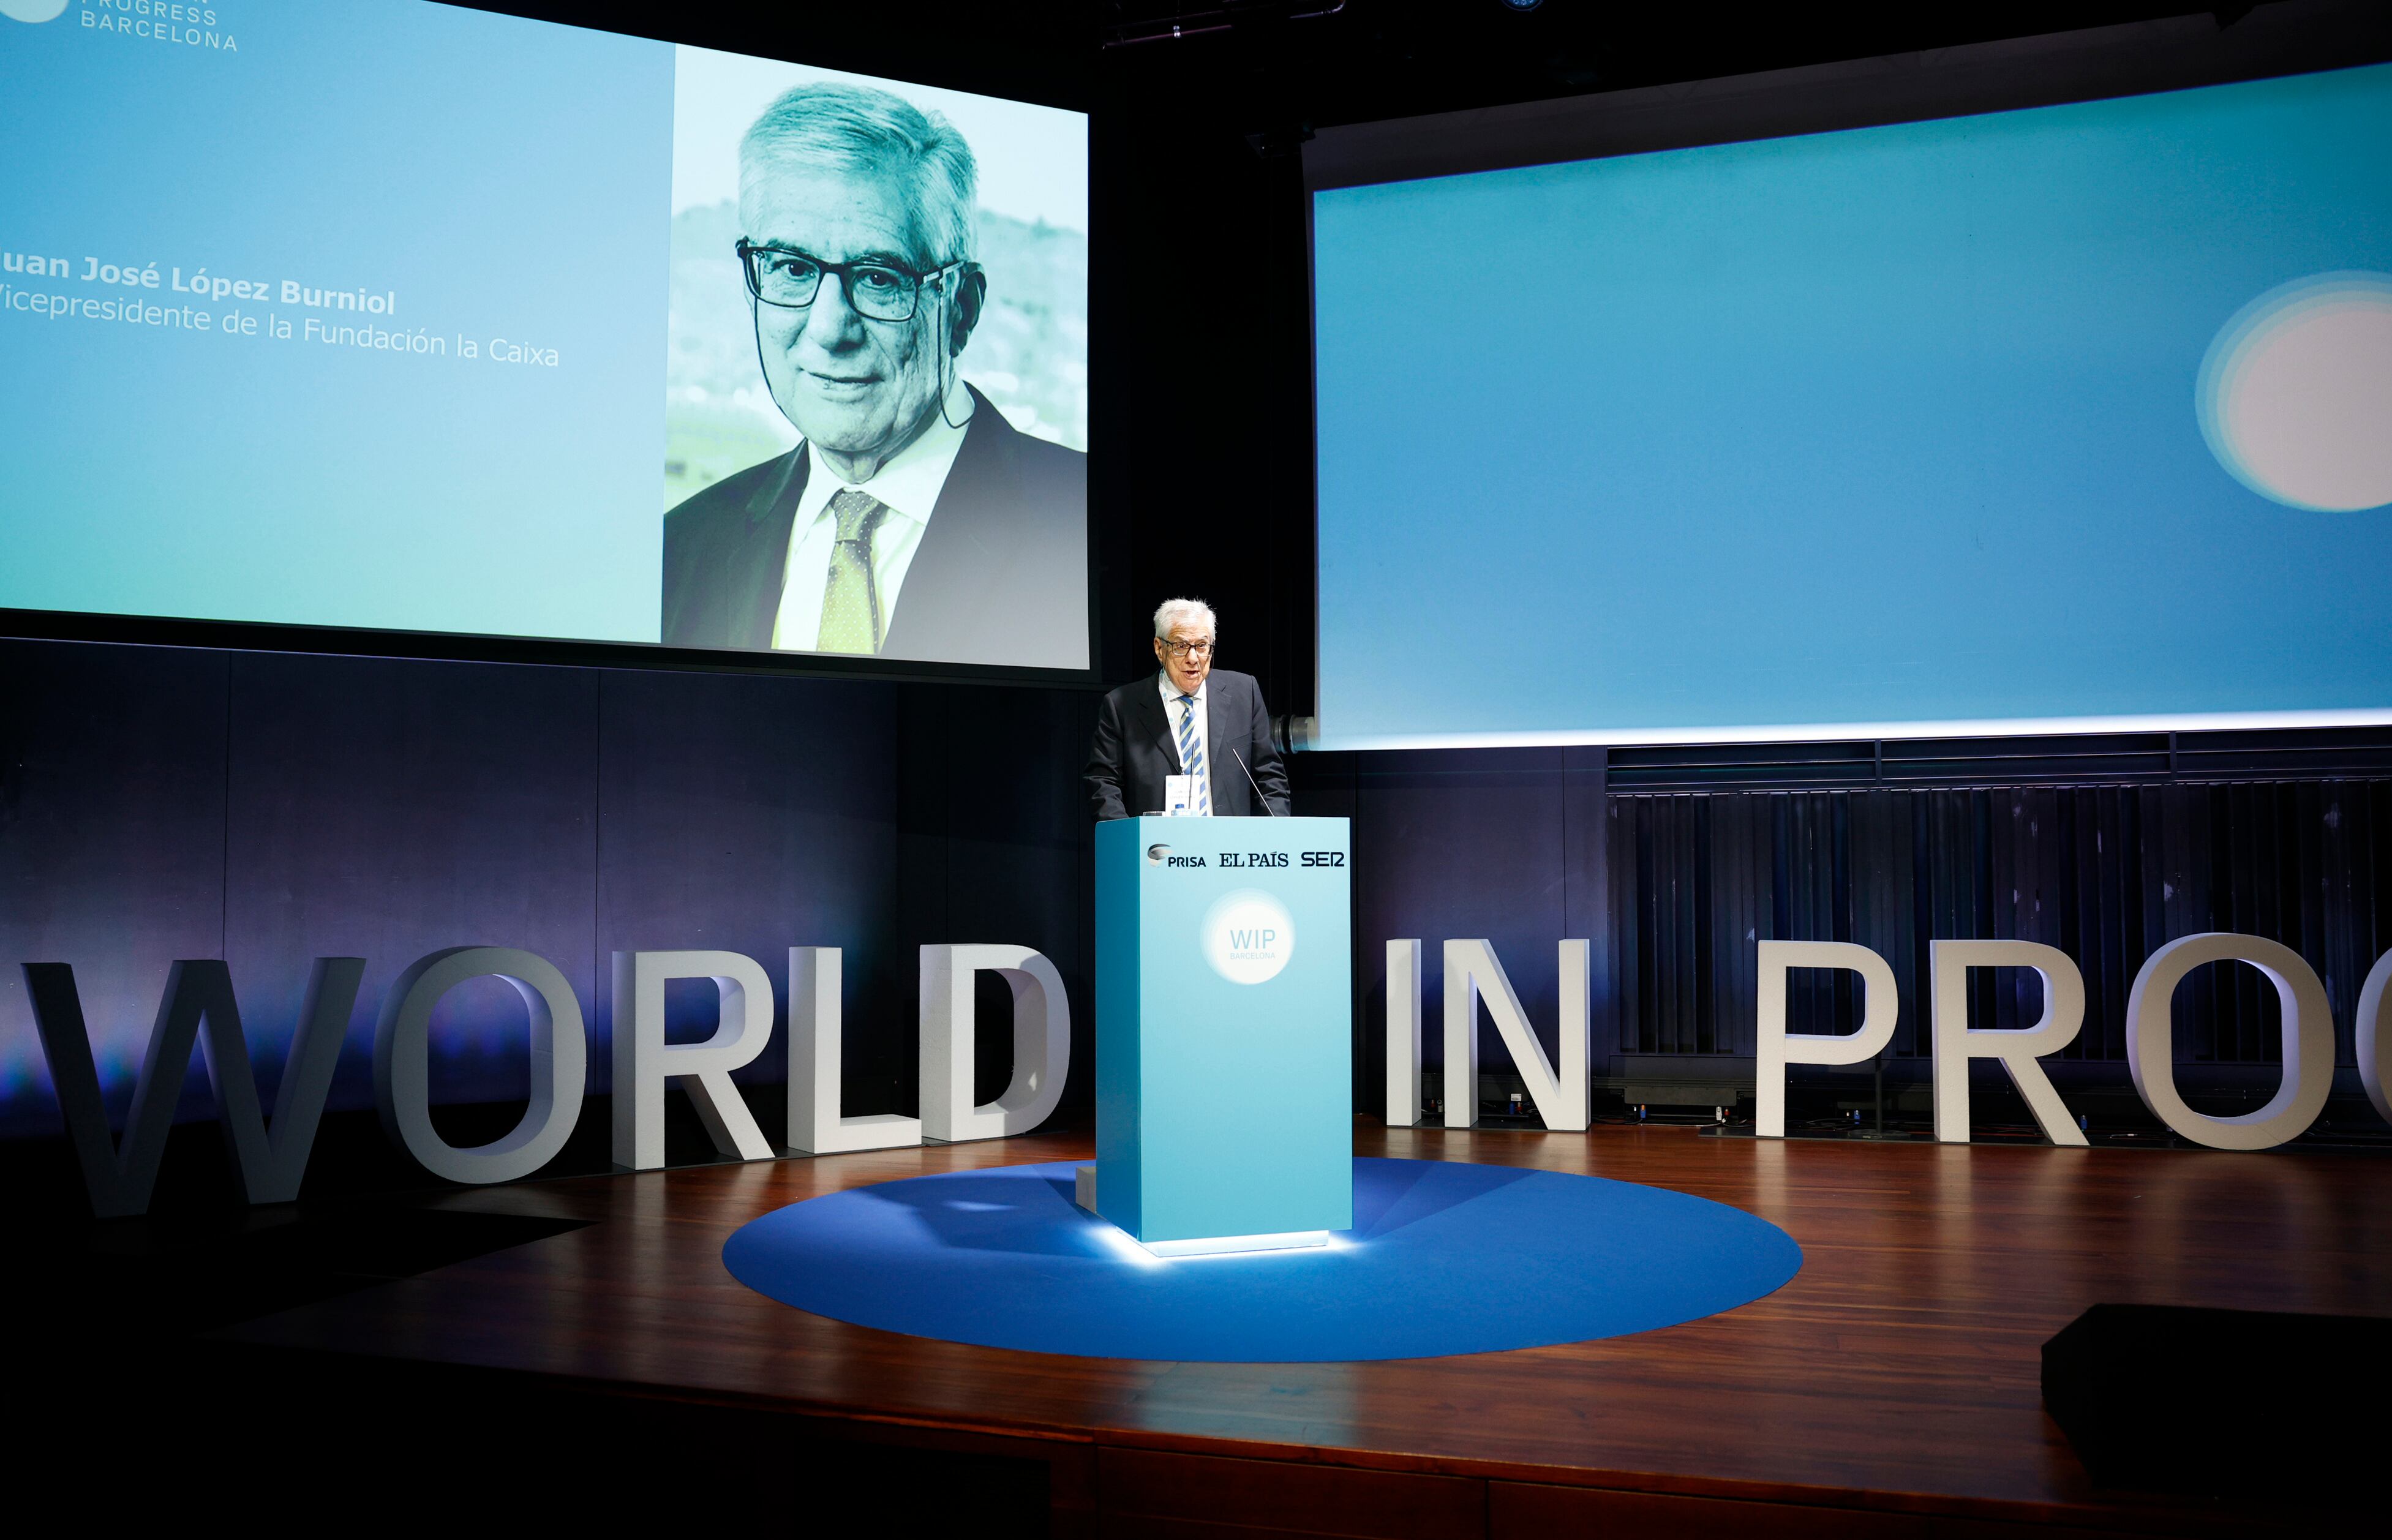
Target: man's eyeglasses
(882, 291)
(1189, 649)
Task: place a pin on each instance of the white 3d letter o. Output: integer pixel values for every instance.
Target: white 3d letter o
(560, 1062)
(2370, 1026)
(2308, 1041)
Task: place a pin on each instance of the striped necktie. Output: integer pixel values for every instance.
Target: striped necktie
(851, 621)
(1192, 755)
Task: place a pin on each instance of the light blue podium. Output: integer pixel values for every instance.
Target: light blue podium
(1224, 1032)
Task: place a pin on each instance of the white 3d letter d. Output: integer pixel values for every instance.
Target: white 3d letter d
(1042, 1042)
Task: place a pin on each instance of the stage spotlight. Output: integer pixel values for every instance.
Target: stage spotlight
(1278, 143)
(1522, 6)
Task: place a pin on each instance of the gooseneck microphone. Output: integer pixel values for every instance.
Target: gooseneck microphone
(1255, 783)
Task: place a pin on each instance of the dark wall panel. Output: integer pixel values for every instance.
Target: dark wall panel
(389, 809)
(2105, 873)
(1529, 845)
(1450, 846)
(752, 814)
(111, 846)
(996, 845)
(160, 802)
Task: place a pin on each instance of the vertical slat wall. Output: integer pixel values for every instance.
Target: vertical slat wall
(2107, 874)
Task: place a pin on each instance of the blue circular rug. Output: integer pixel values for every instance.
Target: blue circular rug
(1444, 1258)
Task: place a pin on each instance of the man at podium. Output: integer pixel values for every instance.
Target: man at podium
(1191, 721)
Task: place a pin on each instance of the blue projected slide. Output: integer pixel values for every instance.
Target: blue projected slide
(385, 313)
(2036, 421)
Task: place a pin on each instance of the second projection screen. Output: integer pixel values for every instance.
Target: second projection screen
(2036, 420)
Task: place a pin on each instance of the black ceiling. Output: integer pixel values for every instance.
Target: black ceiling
(1246, 66)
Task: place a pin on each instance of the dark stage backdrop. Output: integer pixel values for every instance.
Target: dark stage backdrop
(160, 802)
(1675, 862)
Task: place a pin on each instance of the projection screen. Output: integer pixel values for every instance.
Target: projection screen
(397, 316)
(2063, 418)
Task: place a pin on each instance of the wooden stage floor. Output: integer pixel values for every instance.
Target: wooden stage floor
(1891, 1389)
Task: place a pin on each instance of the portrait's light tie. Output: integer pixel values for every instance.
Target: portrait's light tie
(850, 617)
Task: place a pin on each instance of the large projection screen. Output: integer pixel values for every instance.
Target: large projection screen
(2066, 417)
(412, 319)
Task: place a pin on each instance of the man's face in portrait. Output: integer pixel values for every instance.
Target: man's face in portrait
(861, 388)
(1187, 657)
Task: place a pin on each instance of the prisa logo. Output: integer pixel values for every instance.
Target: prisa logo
(1248, 935)
(32, 10)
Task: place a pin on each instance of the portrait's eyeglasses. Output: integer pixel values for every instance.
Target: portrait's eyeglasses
(1189, 649)
(881, 291)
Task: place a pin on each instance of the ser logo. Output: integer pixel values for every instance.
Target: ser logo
(1320, 857)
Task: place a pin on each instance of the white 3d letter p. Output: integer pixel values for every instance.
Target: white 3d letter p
(1774, 1047)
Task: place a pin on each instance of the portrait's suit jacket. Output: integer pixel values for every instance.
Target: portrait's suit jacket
(1135, 748)
(1001, 575)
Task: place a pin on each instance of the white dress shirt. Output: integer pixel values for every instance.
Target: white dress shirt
(910, 484)
(1172, 711)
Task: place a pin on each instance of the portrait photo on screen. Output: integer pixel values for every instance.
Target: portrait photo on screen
(877, 380)
(388, 356)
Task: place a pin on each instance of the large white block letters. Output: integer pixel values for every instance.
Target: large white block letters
(1042, 1042)
(199, 1008)
(120, 1178)
(560, 1062)
(2308, 1041)
(815, 1125)
(2369, 1026)
(1472, 973)
(2017, 1051)
(199, 1005)
(1774, 1047)
(1403, 1034)
(2307, 1016)
(644, 1060)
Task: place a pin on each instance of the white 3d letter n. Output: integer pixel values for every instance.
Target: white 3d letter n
(1560, 1095)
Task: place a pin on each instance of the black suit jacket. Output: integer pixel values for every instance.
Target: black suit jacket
(1135, 748)
(1001, 575)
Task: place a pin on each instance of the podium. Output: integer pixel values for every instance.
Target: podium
(1224, 1032)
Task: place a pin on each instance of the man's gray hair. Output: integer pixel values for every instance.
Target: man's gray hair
(858, 128)
(1183, 612)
